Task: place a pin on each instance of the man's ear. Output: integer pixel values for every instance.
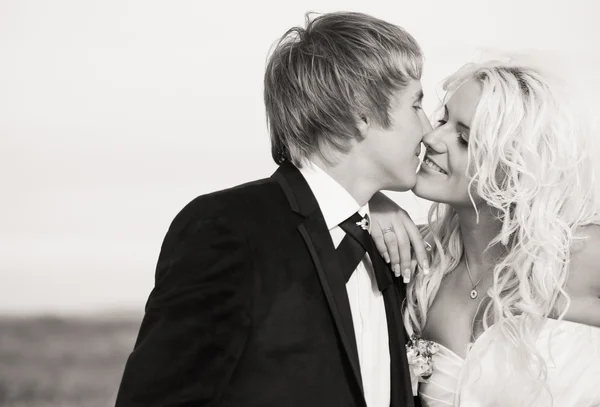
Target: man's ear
(363, 123)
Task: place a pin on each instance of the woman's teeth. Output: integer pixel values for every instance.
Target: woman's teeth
(433, 166)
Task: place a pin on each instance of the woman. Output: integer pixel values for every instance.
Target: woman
(510, 313)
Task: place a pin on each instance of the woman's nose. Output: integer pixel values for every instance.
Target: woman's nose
(434, 140)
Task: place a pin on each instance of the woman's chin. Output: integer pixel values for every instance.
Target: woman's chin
(428, 189)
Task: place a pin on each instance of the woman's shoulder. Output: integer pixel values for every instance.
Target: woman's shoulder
(585, 258)
(583, 284)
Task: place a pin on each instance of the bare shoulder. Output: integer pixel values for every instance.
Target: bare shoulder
(585, 259)
(583, 285)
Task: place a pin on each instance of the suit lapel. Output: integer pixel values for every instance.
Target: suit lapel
(326, 263)
(315, 233)
(393, 296)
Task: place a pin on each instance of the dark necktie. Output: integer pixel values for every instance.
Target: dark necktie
(353, 247)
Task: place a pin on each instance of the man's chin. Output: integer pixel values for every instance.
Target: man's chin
(404, 186)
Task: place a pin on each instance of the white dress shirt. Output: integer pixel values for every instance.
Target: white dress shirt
(366, 301)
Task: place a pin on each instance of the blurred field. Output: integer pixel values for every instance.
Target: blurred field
(58, 362)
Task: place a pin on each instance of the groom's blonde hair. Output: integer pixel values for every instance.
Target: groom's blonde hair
(320, 80)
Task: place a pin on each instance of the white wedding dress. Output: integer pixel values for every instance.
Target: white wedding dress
(572, 354)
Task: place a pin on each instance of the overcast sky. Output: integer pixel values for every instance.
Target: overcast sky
(115, 113)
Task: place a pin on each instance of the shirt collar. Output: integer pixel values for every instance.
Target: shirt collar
(335, 202)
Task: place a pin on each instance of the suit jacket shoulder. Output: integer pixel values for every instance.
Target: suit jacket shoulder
(239, 204)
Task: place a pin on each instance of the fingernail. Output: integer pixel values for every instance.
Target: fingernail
(406, 275)
(386, 257)
(396, 269)
(426, 265)
(425, 271)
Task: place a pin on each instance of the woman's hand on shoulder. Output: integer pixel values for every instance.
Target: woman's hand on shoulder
(397, 237)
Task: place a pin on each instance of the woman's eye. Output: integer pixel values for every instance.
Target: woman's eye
(441, 122)
(462, 141)
(417, 107)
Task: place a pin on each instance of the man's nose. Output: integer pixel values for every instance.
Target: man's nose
(426, 124)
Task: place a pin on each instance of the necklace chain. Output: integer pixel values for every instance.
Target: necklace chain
(474, 293)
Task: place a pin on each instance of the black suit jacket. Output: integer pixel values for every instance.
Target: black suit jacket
(249, 309)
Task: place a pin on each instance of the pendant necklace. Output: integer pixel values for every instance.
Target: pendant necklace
(474, 293)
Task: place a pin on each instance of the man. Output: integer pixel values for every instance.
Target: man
(268, 294)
